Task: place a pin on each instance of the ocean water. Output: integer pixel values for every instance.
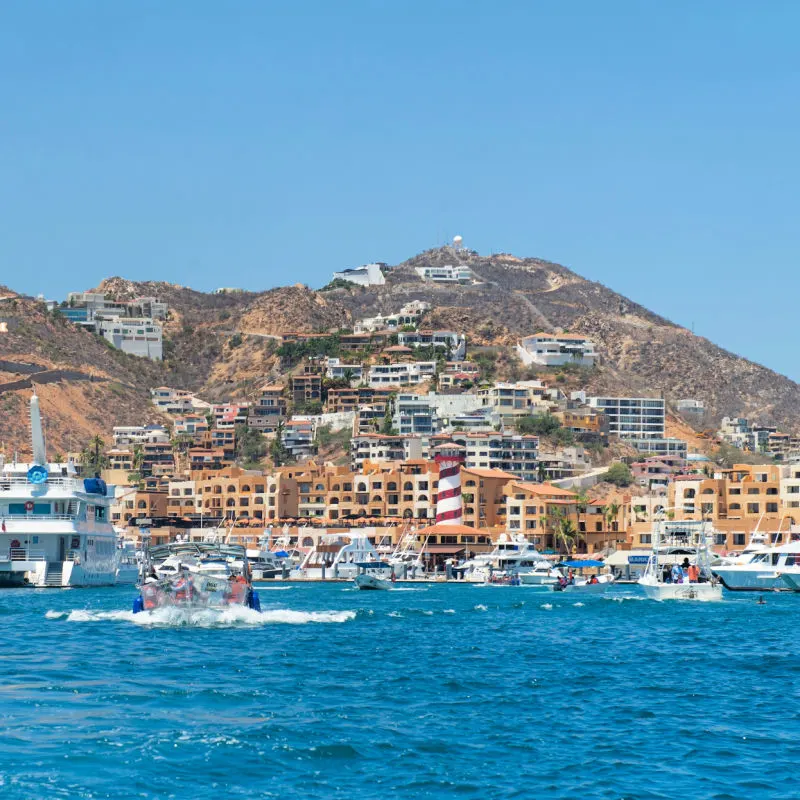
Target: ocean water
(424, 692)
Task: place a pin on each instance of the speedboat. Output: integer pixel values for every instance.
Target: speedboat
(127, 568)
(195, 575)
(592, 585)
(367, 581)
(675, 544)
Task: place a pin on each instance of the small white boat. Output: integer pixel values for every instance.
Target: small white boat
(676, 544)
(367, 582)
(586, 585)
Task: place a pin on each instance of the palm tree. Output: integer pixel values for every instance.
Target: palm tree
(347, 374)
(610, 512)
(541, 472)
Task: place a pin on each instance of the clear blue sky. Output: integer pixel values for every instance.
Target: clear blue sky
(652, 146)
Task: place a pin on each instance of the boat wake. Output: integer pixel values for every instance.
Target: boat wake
(234, 616)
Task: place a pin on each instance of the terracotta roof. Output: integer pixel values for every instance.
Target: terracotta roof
(445, 529)
(490, 473)
(545, 489)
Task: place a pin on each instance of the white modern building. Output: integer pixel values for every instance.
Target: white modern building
(298, 438)
(517, 454)
(337, 370)
(402, 373)
(514, 400)
(557, 349)
(177, 401)
(139, 434)
(136, 336)
(368, 275)
(630, 417)
(454, 344)
(446, 274)
(379, 448)
(409, 314)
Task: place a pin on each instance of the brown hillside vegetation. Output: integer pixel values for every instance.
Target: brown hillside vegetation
(223, 345)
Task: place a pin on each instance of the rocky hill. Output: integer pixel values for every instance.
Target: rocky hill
(223, 345)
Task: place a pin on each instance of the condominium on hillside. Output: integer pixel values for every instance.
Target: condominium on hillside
(400, 374)
(446, 274)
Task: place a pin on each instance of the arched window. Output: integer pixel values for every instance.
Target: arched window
(308, 542)
(259, 501)
(391, 486)
(470, 483)
(408, 486)
(708, 491)
(272, 487)
(245, 488)
(423, 498)
(689, 493)
(230, 502)
(320, 487)
(335, 487)
(141, 504)
(377, 499)
(362, 487)
(735, 507)
(231, 488)
(334, 501)
(408, 513)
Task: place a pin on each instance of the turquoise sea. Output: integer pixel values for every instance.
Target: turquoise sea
(424, 692)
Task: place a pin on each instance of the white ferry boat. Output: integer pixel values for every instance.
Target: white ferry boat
(677, 546)
(55, 528)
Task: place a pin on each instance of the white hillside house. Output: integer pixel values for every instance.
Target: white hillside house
(557, 349)
(368, 275)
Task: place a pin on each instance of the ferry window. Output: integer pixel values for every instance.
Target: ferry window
(16, 508)
(41, 508)
(99, 513)
(775, 557)
(790, 560)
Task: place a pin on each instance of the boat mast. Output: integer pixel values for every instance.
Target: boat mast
(37, 435)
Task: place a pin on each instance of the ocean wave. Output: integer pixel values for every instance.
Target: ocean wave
(480, 607)
(546, 606)
(206, 617)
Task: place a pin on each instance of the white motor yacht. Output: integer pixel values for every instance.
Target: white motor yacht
(769, 570)
(55, 527)
(674, 544)
(341, 556)
(511, 555)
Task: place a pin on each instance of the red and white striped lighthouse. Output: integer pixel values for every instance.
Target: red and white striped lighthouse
(449, 506)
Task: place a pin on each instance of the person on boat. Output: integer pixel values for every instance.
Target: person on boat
(677, 573)
(666, 574)
(593, 579)
(571, 578)
(685, 566)
(694, 573)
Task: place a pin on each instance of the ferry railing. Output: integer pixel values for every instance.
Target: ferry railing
(25, 554)
(72, 555)
(10, 483)
(13, 518)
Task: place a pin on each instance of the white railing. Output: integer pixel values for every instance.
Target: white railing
(14, 482)
(15, 518)
(72, 555)
(25, 554)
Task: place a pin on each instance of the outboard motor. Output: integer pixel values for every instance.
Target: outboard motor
(254, 601)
